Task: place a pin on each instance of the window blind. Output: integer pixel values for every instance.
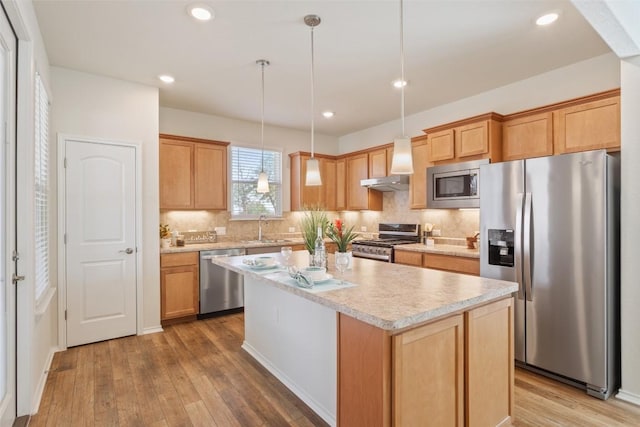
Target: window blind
(246, 165)
(41, 170)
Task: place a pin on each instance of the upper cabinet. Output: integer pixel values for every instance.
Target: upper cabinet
(478, 137)
(587, 126)
(418, 181)
(528, 136)
(193, 173)
(303, 196)
(380, 162)
(588, 123)
(341, 184)
(358, 197)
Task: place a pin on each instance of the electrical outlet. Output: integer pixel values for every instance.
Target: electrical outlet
(436, 233)
(363, 228)
(292, 229)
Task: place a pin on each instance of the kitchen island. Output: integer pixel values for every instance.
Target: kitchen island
(397, 345)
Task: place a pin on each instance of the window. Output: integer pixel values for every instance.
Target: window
(41, 171)
(246, 164)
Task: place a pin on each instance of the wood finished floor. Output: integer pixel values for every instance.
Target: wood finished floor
(195, 374)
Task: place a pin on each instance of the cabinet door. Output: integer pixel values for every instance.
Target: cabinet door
(428, 380)
(489, 370)
(389, 159)
(341, 184)
(378, 163)
(472, 139)
(418, 181)
(329, 183)
(441, 145)
(527, 137)
(407, 258)
(210, 171)
(176, 177)
(303, 196)
(357, 170)
(179, 292)
(588, 126)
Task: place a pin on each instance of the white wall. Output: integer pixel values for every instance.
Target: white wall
(630, 206)
(582, 78)
(197, 125)
(100, 107)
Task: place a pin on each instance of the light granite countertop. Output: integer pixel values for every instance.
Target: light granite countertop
(196, 247)
(392, 297)
(442, 249)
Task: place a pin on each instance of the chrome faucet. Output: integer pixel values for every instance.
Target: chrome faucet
(261, 218)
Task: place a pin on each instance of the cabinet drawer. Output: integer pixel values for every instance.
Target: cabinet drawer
(177, 259)
(452, 263)
(408, 258)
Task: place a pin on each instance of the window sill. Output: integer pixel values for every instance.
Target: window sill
(42, 305)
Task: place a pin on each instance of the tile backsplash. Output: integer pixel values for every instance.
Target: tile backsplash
(451, 222)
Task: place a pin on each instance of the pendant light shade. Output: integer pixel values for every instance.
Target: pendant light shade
(313, 167)
(402, 162)
(263, 179)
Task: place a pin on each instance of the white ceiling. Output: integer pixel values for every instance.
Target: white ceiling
(453, 49)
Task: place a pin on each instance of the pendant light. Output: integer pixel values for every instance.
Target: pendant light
(263, 179)
(402, 162)
(313, 167)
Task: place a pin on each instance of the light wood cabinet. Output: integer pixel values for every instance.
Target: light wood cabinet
(341, 184)
(358, 197)
(407, 258)
(474, 138)
(455, 264)
(588, 126)
(179, 285)
(441, 145)
(193, 173)
(418, 181)
(489, 364)
(380, 162)
(526, 137)
(428, 375)
(303, 196)
(454, 371)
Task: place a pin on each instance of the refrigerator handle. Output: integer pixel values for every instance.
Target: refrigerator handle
(527, 247)
(518, 246)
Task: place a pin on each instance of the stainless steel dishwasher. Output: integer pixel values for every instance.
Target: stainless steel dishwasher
(220, 288)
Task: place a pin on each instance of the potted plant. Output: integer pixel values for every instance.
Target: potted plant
(342, 237)
(313, 218)
(165, 236)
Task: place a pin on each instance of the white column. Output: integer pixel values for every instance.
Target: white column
(630, 226)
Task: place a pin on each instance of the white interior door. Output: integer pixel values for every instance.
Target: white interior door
(100, 241)
(7, 223)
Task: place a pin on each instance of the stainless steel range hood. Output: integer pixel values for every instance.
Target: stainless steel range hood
(387, 183)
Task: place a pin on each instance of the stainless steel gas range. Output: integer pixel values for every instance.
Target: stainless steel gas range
(389, 235)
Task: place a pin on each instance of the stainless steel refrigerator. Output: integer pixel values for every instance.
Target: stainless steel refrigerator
(552, 225)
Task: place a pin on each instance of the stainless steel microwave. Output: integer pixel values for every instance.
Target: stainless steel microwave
(456, 185)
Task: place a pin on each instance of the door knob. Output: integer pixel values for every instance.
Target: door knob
(127, 251)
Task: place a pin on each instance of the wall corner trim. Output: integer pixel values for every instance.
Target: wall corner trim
(152, 330)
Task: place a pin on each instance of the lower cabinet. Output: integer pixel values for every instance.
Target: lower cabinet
(456, 264)
(179, 286)
(456, 371)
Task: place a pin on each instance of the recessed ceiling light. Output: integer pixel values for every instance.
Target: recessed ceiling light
(166, 78)
(328, 114)
(201, 12)
(399, 83)
(547, 19)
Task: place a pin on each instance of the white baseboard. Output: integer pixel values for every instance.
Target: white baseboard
(152, 330)
(37, 396)
(628, 397)
(318, 409)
